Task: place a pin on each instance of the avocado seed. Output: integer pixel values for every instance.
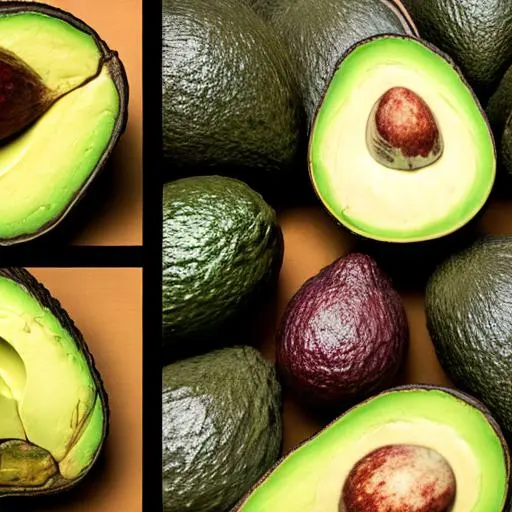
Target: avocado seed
(402, 132)
(399, 478)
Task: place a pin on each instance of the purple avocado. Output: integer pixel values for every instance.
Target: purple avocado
(343, 335)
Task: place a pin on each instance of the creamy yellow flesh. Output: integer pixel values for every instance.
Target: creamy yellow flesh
(47, 392)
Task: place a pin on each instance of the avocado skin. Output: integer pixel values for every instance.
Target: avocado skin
(222, 248)
(24, 278)
(264, 8)
(470, 322)
(221, 428)
(476, 34)
(230, 104)
(343, 335)
(318, 33)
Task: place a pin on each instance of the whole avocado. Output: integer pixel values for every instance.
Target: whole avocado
(222, 247)
(476, 34)
(221, 428)
(318, 33)
(230, 104)
(469, 317)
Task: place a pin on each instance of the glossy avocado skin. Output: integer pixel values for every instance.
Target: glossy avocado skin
(222, 247)
(230, 102)
(469, 317)
(318, 33)
(476, 34)
(221, 428)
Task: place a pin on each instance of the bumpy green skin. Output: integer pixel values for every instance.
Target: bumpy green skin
(476, 34)
(264, 8)
(230, 102)
(318, 33)
(469, 317)
(499, 111)
(221, 428)
(222, 246)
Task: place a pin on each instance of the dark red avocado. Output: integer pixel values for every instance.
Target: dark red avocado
(343, 335)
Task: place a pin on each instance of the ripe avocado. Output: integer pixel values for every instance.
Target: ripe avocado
(499, 110)
(400, 149)
(343, 335)
(230, 104)
(319, 32)
(64, 106)
(469, 317)
(53, 407)
(455, 428)
(221, 428)
(222, 247)
(477, 35)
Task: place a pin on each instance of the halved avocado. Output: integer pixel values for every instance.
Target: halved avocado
(64, 98)
(434, 431)
(53, 406)
(401, 150)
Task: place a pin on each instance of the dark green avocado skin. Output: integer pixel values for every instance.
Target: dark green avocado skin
(222, 248)
(221, 428)
(469, 317)
(319, 32)
(230, 101)
(477, 34)
(499, 111)
(264, 8)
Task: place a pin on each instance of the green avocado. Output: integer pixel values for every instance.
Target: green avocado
(469, 317)
(476, 34)
(221, 428)
(499, 110)
(222, 248)
(318, 32)
(230, 102)
(64, 104)
(400, 149)
(53, 407)
(442, 446)
(264, 8)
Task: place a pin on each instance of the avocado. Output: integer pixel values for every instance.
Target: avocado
(221, 428)
(64, 106)
(343, 335)
(222, 248)
(319, 32)
(470, 321)
(400, 149)
(422, 437)
(499, 111)
(53, 406)
(264, 8)
(230, 102)
(477, 35)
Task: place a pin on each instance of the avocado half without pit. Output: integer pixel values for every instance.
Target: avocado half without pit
(400, 149)
(63, 107)
(53, 407)
(411, 448)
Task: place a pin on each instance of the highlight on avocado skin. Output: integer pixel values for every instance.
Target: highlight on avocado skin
(63, 108)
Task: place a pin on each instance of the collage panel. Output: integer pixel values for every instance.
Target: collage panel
(71, 389)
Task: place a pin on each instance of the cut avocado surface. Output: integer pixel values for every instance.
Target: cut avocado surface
(52, 402)
(450, 424)
(46, 165)
(401, 150)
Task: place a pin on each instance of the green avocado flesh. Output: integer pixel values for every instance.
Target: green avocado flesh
(394, 205)
(45, 167)
(49, 399)
(311, 478)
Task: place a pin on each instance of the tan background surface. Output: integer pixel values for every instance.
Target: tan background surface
(106, 305)
(116, 218)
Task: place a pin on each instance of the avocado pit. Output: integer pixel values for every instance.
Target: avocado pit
(402, 132)
(404, 478)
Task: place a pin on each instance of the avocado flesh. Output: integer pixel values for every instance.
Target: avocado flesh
(310, 479)
(386, 204)
(49, 397)
(46, 167)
